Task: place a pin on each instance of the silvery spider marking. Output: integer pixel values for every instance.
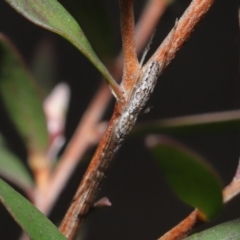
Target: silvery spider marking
(124, 124)
(144, 88)
(138, 100)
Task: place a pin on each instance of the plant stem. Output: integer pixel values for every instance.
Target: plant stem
(182, 228)
(121, 123)
(88, 188)
(90, 124)
(185, 26)
(130, 66)
(85, 195)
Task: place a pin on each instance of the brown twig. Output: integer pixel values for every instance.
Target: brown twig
(77, 146)
(128, 43)
(196, 10)
(85, 196)
(145, 27)
(79, 143)
(41, 169)
(233, 189)
(182, 228)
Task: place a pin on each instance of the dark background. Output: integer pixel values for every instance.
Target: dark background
(204, 77)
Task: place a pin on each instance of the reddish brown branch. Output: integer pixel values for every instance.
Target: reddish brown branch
(85, 195)
(128, 43)
(233, 189)
(144, 28)
(182, 228)
(72, 219)
(78, 145)
(90, 120)
(194, 13)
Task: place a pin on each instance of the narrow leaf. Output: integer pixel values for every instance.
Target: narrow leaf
(87, 13)
(21, 98)
(32, 221)
(190, 177)
(43, 65)
(225, 231)
(54, 17)
(13, 169)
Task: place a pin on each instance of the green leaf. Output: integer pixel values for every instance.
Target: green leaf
(189, 176)
(88, 13)
(225, 231)
(54, 17)
(32, 221)
(13, 169)
(194, 123)
(22, 98)
(43, 66)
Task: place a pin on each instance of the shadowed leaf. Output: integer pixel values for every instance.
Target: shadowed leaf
(43, 65)
(21, 98)
(32, 221)
(225, 231)
(190, 177)
(13, 169)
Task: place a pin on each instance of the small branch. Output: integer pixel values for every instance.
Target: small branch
(116, 90)
(121, 123)
(86, 192)
(88, 188)
(144, 28)
(233, 189)
(90, 120)
(78, 144)
(41, 169)
(128, 42)
(182, 228)
(194, 13)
